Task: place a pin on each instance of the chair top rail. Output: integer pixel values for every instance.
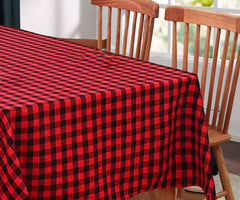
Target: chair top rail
(146, 7)
(203, 17)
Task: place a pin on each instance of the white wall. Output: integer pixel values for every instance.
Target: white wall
(234, 128)
(59, 18)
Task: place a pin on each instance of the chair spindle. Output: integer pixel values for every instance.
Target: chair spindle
(185, 51)
(125, 37)
(118, 32)
(145, 36)
(133, 34)
(213, 73)
(220, 79)
(139, 41)
(174, 45)
(205, 61)
(227, 83)
(109, 29)
(196, 50)
(149, 39)
(99, 27)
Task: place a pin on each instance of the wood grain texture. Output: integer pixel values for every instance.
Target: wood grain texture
(204, 17)
(147, 7)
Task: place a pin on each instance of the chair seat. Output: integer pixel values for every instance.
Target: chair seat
(217, 137)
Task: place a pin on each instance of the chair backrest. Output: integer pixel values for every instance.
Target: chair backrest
(220, 92)
(148, 11)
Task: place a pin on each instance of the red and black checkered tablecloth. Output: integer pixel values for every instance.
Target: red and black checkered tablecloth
(77, 123)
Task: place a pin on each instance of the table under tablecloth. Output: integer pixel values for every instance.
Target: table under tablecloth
(78, 123)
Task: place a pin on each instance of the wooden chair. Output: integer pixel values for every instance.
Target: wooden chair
(148, 11)
(220, 101)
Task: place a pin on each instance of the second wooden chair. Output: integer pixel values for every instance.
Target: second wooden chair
(219, 91)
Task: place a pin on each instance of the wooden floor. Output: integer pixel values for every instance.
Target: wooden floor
(156, 195)
(231, 151)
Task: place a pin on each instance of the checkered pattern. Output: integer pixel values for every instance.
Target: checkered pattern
(77, 123)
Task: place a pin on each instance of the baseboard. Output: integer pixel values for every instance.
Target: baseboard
(235, 139)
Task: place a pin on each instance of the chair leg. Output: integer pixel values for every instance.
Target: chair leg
(163, 194)
(180, 193)
(223, 172)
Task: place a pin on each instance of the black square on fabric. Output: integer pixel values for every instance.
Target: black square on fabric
(52, 112)
(63, 123)
(85, 143)
(83, 106)
(113, 111)
(52, 125)
(30, 117)
(41, 127)
(113, 99)
(103, 101)
(41, 115)
(86, 156)
(62, 110)
(30, 141)
(94, 103)
(74, 121)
